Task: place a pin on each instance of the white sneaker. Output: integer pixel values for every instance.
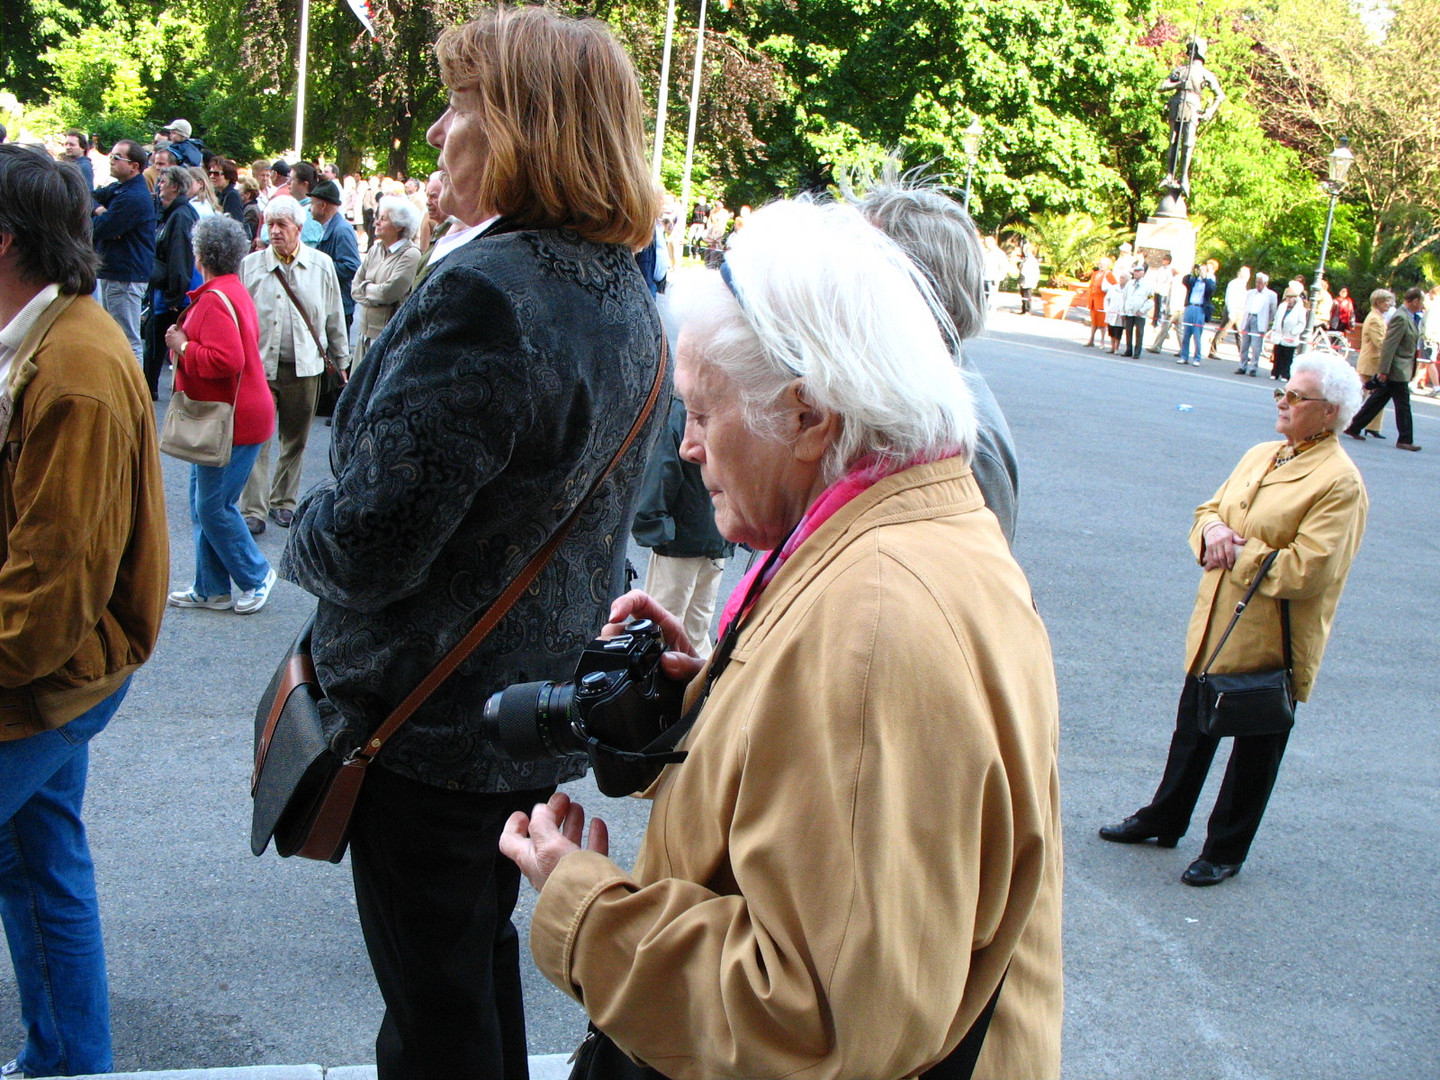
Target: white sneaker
(252, 600)
(11, 1071)
(188, 598)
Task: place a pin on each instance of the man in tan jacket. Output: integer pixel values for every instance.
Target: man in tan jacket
(84, 564)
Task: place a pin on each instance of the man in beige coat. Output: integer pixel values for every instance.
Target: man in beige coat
(1397, 368)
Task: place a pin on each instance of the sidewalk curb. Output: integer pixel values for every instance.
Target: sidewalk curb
(542, 1067)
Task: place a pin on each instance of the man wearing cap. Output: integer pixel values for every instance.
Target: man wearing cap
(337, 240)
(123, 232)
(186, 152)
(280, 179)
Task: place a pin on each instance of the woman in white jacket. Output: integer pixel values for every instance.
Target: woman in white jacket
(1287, 329)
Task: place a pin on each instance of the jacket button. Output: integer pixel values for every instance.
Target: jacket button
(1243, 504)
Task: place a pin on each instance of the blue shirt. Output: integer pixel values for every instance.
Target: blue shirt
(1197, 292)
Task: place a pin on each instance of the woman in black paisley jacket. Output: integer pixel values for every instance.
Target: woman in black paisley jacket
(501, 387)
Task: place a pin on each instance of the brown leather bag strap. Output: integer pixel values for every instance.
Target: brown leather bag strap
(497, 611)
(305, 318)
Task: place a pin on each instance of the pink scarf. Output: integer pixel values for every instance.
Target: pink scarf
(863, 475)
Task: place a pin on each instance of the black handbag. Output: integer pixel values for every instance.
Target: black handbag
(1248, 702)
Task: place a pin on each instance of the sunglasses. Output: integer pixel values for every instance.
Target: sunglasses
(1290, 397)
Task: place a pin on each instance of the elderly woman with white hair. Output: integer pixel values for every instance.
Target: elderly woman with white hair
(302, 331)
(1299, 503)
(868, 812)
(388, 272)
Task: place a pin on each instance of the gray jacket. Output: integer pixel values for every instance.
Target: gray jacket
(482, 412)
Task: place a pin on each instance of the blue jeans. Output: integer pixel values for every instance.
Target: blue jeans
(224, 548)
(123, 300)
(1193, 328)
(47, 898)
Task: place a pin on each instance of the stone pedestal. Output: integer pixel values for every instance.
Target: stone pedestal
(1157, 236)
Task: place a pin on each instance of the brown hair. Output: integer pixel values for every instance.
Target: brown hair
(563, 120)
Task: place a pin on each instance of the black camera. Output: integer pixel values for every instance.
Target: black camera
(619, 704)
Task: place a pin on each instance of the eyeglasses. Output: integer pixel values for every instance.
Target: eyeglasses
(1290, 397)
(216, 172)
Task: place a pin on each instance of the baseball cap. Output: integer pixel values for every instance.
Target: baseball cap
(182, 126)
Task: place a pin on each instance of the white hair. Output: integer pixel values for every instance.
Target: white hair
(285, 206)
(1339, 384)
(821, 295)
(403, 215)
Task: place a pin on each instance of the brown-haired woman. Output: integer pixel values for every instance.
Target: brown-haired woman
(499, 389)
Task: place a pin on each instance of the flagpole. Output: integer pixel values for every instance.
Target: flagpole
(300, 91)
(664, 96)
(694, 111)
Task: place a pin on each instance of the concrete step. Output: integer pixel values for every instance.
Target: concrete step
(542, 1067)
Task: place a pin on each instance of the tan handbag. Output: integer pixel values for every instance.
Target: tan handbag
(201, 432)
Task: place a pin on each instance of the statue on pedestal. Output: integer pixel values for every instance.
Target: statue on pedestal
(1186, 86)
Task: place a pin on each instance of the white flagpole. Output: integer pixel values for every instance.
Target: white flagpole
(694, 111)
(300, 90)
(664, 97)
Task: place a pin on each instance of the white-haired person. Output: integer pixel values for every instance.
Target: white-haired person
(387, 275)
(938, 235)
(869, 807)
(302, 329)
(1301, 498)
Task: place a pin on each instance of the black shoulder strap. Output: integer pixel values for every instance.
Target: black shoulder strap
(1240, 608)
(960, 1065)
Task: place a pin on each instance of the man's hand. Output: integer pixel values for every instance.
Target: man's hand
(536, 843)
(1222, 545)
(679, 662)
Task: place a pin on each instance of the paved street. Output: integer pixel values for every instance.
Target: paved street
(1319, 960)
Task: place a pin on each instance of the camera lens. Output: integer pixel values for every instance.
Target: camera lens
(531, 722)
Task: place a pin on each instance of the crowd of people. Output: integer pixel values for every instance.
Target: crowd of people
(506, 372)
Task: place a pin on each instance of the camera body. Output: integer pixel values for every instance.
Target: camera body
(617, 706)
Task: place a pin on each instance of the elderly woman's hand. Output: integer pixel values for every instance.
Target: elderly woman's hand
(175, 339)
(1222, 545)
(552, 830)
(680, 662)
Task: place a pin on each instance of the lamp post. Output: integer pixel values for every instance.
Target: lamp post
(970, 141)
(1338, 164)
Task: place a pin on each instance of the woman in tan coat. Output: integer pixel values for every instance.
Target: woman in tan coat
(388, 272)
(1372, 337)
(865, 835)
(1304, 499)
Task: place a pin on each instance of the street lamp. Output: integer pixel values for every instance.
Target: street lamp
(1338, 164)
(970, 142)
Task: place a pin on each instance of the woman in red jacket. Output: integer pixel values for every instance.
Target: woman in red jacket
(216, 353)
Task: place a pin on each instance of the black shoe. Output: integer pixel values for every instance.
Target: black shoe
(255, 525)
(1355, 435)
(1131, 831)
(1253, 374)
(1203, 872)
(283, 518)
(1239, 371)
(1376, 434)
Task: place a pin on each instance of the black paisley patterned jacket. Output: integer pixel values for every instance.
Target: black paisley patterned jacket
(480, 417)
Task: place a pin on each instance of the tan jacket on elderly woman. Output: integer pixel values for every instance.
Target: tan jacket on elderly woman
(383, 283)
(866, 832)
(1372, 336)
(1312, 510)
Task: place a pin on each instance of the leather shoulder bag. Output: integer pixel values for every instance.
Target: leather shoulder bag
(1248, 702)
(304, 792)
(202, 432)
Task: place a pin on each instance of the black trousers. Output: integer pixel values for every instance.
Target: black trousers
(1134, 334)
(1280, 360)
(156, 351)
(1398, 391)
(435, 897)
(1244, 793)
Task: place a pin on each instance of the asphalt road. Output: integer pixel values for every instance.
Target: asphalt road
(1319, 960)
